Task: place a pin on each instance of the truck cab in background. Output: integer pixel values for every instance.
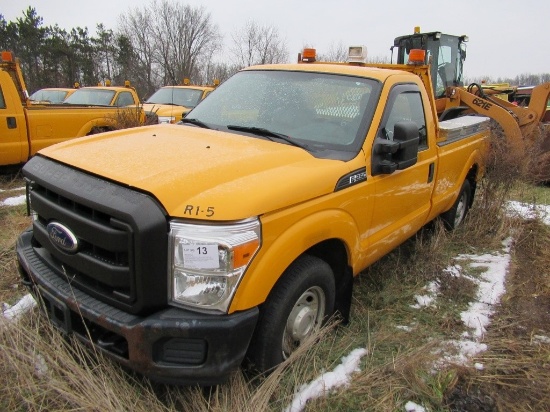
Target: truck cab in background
(170, 103)
(104, 95)
(51, 95)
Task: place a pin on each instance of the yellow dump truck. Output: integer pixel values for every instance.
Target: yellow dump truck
(182, 251)
(26, 128)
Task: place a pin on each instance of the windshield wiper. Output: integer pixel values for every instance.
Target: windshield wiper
(167, 103)
(195, 122)
(260, 131)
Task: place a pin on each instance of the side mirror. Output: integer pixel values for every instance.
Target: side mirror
(399, 153)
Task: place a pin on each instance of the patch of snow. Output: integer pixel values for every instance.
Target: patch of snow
(491, 286)
(455, 271)
(14, 312)
(541, 339)
(14, 201)
(426, 300)
(529, 211)
(339, 376)
(479, 366)
(413, 407)
(462, 351)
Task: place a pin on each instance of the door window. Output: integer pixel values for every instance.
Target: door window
(405, 103)
(125, 99)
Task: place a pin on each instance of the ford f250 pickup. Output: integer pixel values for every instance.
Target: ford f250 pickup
(182, 251)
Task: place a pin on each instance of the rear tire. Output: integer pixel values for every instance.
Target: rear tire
(455, 216)
(298, 305)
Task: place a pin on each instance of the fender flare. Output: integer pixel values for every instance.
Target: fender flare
(104, 121)
(271, 262)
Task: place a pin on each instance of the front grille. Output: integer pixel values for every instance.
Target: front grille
(122, 235)
(105, 254)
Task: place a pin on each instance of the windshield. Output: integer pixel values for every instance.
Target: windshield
(177, 96)
(324, 113)
(91, 97)
(52, 96)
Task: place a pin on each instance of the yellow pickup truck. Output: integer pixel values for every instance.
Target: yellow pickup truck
(182, 251)
(26, 128)
(119, 96)
(170, 103)
(51, 95)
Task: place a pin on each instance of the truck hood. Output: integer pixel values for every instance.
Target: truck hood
(204, 174)
(166, 109)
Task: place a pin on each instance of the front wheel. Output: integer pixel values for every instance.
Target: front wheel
(294, 310)
(456, 214)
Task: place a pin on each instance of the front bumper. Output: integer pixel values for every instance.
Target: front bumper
(172, 345)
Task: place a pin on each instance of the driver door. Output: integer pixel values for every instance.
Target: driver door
(402, 198)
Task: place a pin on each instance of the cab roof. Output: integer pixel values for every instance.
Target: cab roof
(379, 72)
(189, 87)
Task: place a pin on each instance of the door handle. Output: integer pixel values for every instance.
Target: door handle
(12, 122)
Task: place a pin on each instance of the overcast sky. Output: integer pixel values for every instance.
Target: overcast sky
(507, 37)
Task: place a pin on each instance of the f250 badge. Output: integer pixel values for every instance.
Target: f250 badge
(62, 237)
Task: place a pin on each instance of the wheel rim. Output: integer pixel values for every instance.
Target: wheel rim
(461, 209)
(305, 318)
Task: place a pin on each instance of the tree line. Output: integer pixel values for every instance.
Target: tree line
(152, 46)
(156, 45)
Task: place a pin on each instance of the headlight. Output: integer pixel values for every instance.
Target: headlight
(167, 119)
(209, 261)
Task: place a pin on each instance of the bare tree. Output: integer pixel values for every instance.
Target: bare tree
(136, 26)
(378, 59)
(183, 35)
(258, 45)
(336, 53)
(170, 40)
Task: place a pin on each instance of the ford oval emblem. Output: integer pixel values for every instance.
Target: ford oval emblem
(62, 237)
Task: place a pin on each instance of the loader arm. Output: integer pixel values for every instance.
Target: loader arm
(517, 122)
(540, 97)
(510, 123)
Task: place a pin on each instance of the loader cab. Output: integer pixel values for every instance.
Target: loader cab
(444, 52)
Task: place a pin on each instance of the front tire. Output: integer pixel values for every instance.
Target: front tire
(455, 216)
(295, 309)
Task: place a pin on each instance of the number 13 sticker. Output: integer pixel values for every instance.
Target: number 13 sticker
(201, 256)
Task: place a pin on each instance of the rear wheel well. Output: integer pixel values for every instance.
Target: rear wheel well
(98, 129)
(472, 178)
(454, 217)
